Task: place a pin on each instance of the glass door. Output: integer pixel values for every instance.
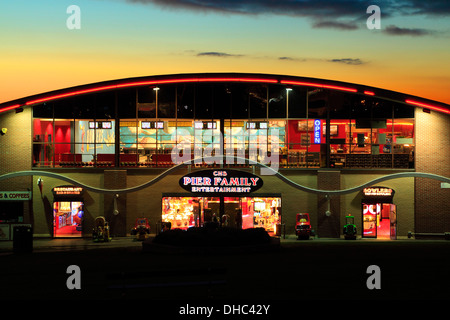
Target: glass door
(393, 221)
(67, 218)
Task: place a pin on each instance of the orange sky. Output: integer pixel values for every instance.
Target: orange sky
(120, 40)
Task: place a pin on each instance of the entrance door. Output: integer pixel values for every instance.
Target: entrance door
(393, 221)
(67, 218)
(379, 221)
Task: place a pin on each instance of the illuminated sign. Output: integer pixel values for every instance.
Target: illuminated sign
(152, 125)
(256, 125)
(214, 182)
(100, 125)
(378, 192)
(67, 191)
(15, 195)
(317, 131)
(205, 125)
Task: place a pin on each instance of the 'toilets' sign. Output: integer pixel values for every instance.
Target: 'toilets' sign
(220, 182)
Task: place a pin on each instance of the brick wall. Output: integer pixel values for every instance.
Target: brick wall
(15, 149)
(432, 205)
(328, 226)
(116, 179)
(15, 153)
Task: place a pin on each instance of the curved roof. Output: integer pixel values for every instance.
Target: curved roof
(289, 81)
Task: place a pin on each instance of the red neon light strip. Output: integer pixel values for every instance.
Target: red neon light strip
(10, 108)
(369, 93)
(423, 105)
(309, 84)
(146, 83)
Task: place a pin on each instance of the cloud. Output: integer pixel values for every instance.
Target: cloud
(317, 9)
(397, 31)
(335, 25)
(342, 15)
(291, 59)
(348, 61)
(429, 8)
(217, 54)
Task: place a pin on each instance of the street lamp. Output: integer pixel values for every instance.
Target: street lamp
(156, 89)
(287, 122)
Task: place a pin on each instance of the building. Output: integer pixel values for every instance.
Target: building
(128, 143)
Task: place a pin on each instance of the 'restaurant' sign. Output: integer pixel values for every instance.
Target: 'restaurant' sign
(67, 191)
(220, 182)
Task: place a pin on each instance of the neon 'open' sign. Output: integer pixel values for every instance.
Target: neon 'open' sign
(317, 131)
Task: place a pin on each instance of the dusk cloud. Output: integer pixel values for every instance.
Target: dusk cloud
(348, 61)
(344, 15)
(396, 31)
(335, 25)
(217, 54)
(318, 9)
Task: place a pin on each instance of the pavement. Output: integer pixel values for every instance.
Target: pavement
(76, 244)
(301, 271)
(71, 244)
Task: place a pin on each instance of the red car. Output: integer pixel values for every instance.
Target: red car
(302, 226)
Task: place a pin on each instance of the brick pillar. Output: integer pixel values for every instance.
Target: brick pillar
(328, 226)
(432, 203)
(15, 155)
(116, 179)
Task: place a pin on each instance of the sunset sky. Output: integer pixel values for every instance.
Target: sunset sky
(321, 39)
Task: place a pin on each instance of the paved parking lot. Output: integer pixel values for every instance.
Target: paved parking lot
(312, 270)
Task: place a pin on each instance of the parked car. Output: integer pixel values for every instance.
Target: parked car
(302, 226)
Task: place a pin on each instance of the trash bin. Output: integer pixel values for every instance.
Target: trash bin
(22, 239)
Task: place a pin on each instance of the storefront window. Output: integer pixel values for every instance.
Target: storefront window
(372, 144)
(185, 101)
(42, 142)
(304, 149)
(277, 102)
(403, 143)
(238, 212)
(325, 128)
